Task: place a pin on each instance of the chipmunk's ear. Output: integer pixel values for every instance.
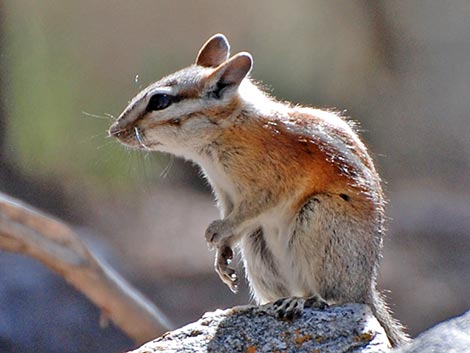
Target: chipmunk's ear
(214, 52)
(230, 74)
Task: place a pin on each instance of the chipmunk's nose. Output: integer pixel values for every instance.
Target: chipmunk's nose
(114, 129)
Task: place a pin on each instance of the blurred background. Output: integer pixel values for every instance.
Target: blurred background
(401, 69)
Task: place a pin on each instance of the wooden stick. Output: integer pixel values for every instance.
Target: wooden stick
(27, 231)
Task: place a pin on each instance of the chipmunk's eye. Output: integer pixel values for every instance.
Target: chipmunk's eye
(158, 101)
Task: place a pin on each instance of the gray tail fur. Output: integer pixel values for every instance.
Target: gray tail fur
(393, 328)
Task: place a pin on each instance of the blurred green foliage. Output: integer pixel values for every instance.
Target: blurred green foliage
(57, 117)
(44, 119)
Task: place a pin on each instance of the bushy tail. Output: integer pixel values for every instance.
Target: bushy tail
(392, 327)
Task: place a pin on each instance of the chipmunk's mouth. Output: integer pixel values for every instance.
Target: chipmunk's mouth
(132, 136)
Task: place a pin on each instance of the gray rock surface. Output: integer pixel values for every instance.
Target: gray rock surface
(350, 328)
(451, 336)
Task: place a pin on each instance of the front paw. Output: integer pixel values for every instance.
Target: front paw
(227, 273)
(217, 232)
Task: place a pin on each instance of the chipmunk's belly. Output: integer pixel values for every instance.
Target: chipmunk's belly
(292, 267)
(274, 269)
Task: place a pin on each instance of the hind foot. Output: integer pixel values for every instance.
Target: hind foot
(292, 307)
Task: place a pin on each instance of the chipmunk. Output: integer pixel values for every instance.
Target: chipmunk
(297, 190)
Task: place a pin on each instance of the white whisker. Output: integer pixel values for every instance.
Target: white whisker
(107, 143)
(97, 116)
(91, 138)
(168, 166)
(139, 139)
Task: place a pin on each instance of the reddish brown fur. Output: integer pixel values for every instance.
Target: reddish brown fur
(269, 147)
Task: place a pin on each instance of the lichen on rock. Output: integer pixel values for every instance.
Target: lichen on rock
(250, 329)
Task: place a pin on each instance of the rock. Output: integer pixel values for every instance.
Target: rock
(249, 329)
(451, 336)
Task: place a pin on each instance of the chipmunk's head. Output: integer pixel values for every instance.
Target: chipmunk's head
(188, 108)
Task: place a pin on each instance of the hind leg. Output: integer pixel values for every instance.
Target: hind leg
(335, 249)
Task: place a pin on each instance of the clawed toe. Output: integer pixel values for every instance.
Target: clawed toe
(288, 308)
(226, 272)
(315, 302)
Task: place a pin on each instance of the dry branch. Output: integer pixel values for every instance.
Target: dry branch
(27, 231)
